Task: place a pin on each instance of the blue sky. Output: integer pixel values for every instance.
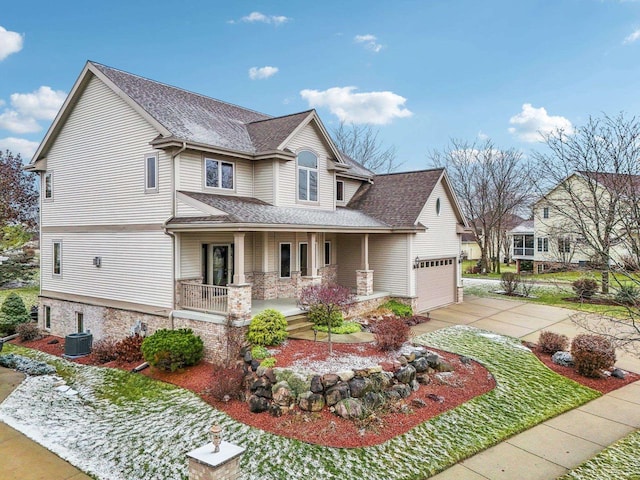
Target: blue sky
(422, 71)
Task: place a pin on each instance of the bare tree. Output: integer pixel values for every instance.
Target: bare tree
(589, 181)
(491, 185)
(361, 143)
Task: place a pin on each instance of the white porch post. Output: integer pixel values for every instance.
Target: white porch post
(312, 254)
(238, 258)
(364, 276)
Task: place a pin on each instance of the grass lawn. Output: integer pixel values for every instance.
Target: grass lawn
(619, 461)
(122, 426)
(29, 295)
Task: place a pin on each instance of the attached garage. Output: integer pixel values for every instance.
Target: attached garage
(435, 283)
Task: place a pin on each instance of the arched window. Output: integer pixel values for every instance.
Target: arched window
(307, 176)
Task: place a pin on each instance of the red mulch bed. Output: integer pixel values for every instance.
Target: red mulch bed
(603, 384)
(328, 429)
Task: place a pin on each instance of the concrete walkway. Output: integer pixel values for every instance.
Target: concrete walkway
(554, 447)
(22, 458)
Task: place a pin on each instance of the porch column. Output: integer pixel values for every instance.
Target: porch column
(265, 251)
(238, 258)
(364, 276)
(312, 254)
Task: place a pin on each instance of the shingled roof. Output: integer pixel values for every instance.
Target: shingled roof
(251, 210)
(396, 198)
(270, 133)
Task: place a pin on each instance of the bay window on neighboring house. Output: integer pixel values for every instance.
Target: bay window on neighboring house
(218, 174)
(307, 176)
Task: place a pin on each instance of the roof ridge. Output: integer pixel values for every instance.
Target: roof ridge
(98, 64)
(409, 171)
(280, 116)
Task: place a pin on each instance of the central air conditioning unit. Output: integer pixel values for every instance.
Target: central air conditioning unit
(78, 344)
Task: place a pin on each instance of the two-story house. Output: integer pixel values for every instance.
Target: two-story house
(172, 209)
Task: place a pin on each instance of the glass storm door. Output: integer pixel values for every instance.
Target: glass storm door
(217, 264)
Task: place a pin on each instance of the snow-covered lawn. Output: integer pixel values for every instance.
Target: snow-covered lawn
(125, 426)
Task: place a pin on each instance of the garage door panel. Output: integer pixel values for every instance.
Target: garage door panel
(435, 283)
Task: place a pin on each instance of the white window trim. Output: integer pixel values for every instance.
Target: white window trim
(47, 312)
(220, 162)
(340, 200)
(542, 245)
(280, 259)
(147, 188)
(308, 169)
(327, 242)
(545, 212)
(48, 174)
(300, 258)
(53, 258)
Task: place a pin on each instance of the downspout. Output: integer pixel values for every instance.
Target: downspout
(171, 234)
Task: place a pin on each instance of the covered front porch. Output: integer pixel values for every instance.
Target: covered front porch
(238, 274)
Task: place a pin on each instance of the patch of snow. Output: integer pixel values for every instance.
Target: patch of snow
(339, 363)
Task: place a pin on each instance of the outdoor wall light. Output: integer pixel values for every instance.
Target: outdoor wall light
(216, 437)
(416, 262)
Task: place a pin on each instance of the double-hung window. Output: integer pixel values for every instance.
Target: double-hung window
(151, 173)
(564, 245)
(307, 176)
(545, 212)
(218, 174)
(543, 244)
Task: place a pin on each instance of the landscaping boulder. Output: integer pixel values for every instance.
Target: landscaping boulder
(423, 378)
(330, 379)
(618, 373)
(420, 364)
(282, 394)
(465, 360)
(443, 366)
(359, 386)
(336, 393)
(380, 381)
(316, 384)
(373, 400)
(403, 390)
(346, 375)
(406, 374)
(418, 403)
(349, 408)
(311, 402)
(433, 359)
(258, 404)
(275, 410)
(564, 359)
(392, 396)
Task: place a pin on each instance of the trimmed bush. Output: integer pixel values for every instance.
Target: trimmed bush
(104, 351)
(259, 352)
(346, 327)
(226, 384)
(319, 317)
(28, 331)
(12, 313)
(170, 350)
(627, 295)
(129, 348)
(267, 328)
(391, 333)
(551, 343)
(268, 362)
(399, 309)
(585, 288)
(591, 354)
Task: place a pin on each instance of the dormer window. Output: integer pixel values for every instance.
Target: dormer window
(307, 176)
(218, 174)
(340, 191)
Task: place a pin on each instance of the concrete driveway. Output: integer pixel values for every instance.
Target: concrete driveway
(514, 318)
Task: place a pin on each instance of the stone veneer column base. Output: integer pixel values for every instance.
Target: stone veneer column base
(239, 302)
(364, 282)
(265, 285)
(223, 465)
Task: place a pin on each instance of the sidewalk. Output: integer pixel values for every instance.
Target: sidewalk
(22, 458)
(554, 447)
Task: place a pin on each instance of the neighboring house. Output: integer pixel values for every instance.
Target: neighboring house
(470, 247)
(173, 209)
(553, 240)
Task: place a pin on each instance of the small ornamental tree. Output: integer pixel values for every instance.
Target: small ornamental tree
(12, 313)
(325, 301)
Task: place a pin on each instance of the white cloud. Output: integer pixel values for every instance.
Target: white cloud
(482, 136)
(257, 17)
(377, 108)
(532, 123)
(369, 41)
(27, 108)
(25, 148)
(10, 42)
(632, 37)
(260, 73)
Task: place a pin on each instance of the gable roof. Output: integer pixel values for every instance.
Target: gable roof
(397, 198)
(183, 116)
(248, 210)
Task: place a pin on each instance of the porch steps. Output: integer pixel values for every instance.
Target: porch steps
(298, 323)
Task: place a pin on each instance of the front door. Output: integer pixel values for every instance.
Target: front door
(217, 264)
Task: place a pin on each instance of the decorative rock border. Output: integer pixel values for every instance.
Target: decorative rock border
(349, 394)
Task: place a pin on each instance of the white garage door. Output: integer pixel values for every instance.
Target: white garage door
(435, 283)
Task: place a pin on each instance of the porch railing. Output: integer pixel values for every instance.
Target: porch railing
(204, 298)
(520, 251)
